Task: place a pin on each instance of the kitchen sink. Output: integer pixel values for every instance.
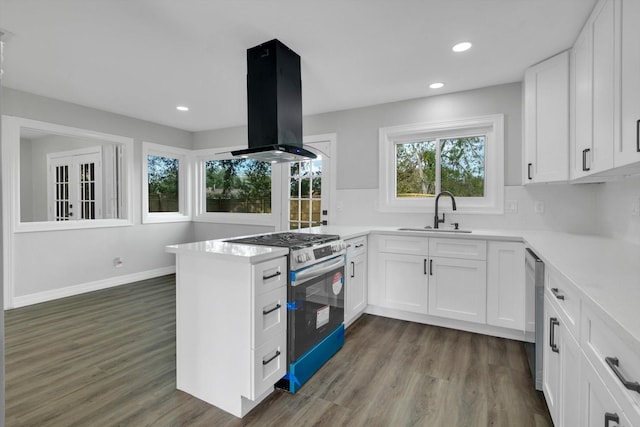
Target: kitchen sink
(436, 230)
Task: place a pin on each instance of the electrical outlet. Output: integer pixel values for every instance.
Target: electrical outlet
(117, 262)
(538, 207)
(511, 206)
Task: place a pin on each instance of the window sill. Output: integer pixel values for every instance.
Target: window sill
(158, 218)
(30, 227)
(236, 218)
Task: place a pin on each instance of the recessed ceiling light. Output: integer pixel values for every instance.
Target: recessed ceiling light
(182, 108)
(461, 47)
(436, 85)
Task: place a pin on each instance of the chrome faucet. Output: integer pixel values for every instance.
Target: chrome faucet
(436, 219)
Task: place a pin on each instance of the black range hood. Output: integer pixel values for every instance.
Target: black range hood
(274, 104)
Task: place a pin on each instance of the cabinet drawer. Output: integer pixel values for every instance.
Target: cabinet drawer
(605, 348)
(269, 364)
(270, 275)
(403, 245)
(566, 298)
(270, 316)
(458, 248)
(356, 246)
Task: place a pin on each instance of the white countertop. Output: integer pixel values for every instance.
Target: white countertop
(606, 271)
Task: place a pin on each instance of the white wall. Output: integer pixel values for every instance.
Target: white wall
(55, 263)
(616, 204)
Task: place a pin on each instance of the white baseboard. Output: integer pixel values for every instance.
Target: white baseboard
(82, 288)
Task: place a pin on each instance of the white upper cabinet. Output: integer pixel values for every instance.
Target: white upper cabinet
(546, 123)
(628, 151)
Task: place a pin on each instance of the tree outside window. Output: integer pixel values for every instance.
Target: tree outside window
(163, 184)
(424, 168)
(238, 185)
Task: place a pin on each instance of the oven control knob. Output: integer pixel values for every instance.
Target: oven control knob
(303, 257)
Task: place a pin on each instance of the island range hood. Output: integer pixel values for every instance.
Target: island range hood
(274, 104)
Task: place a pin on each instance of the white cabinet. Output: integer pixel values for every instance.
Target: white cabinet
(561, 373)
(356, 275)
(506, 297)
(596, 106)
(457, 279)
(546, 121)
(399, 278)
(599, 407)
(402, 282)
(629, 148)
(230, 329)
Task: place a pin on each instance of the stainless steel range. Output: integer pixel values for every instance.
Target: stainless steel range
(315, 300)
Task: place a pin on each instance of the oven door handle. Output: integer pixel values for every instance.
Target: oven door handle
(315, 271)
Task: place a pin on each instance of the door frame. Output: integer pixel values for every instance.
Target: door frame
(315, 143)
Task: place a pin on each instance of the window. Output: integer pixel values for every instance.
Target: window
(305, 194)
(464, 157)
(165, 184)
(238, 185)
(236, 191)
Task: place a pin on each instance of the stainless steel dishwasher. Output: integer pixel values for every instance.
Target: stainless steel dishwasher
(534, 268)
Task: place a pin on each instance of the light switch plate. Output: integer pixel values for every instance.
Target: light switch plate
(511, 206)
(538, 207)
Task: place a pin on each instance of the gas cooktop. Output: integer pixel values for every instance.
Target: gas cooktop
(287, 239)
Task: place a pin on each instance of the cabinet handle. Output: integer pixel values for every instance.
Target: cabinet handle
(430, 267)
(584, 159)
(359, 245)
(276, 274)
(553, 322)
(613, 363)
(265, 312)
(353, 269)
(266, 362)
(529, 170)
(638, 136)
(608, 416)
(424, 267)
(556, 293)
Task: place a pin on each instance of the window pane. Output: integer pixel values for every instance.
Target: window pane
(238, 185)
(163, 184)
(416, 169)
(462, 166)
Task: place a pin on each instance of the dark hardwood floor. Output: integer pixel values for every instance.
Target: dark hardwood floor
(107, 358)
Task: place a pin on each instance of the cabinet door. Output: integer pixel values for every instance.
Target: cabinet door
(582, 135)
(570, 362)
(457, 289)
(551, 360)
(606, 83)
(599, 408)
(546, 115)
(629, 149)
(506, 298)
(356, 287)
(401, 282)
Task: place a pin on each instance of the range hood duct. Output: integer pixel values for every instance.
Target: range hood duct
(274, 105)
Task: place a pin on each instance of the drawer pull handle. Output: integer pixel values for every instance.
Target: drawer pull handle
(613, 363)
(556, 293)
(265, 312)
(584, 159)
(276, 274)
(359, 245)
(266, 362)
(553, 322)
(608, 416)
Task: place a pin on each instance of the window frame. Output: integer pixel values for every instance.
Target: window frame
(184, 183)
(11, 130)
(200, 213)
(491, 126)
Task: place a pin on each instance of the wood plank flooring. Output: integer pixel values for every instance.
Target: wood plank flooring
(107, 358)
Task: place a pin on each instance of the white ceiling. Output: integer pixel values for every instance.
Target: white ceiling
(142, 58)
